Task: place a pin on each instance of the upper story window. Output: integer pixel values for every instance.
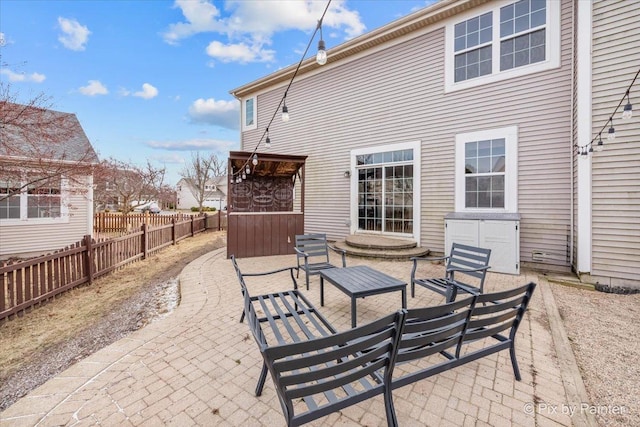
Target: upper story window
(473, 47)
(522, 33)
(499, 41)
(486, 171)
(249, 114)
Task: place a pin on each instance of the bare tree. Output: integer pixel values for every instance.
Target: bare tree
(128, 185)
(167, 196)
(200, 173)
(39, 146)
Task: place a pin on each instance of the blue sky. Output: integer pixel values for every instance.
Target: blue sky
(150, 79)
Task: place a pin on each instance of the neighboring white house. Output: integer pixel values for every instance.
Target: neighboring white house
(472, 111)
(215, 194)
(45, 203)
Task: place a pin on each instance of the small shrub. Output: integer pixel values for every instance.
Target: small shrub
(204, 209)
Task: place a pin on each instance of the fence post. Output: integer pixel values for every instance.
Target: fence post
(173, 230)
(192, 225)
(144, 241)
(88, 243)
(219, 220)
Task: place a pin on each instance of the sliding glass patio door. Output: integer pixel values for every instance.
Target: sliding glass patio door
(386, 191)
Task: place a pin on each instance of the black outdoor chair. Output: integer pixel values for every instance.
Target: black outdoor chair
(469, 262)
(314, 249)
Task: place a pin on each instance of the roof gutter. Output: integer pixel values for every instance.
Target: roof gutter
(398, 28)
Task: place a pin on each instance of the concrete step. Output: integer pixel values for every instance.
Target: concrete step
(398, 253)
(367, 241)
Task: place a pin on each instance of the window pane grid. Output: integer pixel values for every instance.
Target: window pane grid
(473, 32)
(485, 173)
(522, 50)
(396, 156)
(523, 15)
(41, 201)
(473, 64)
(385, 193)
(522, 40)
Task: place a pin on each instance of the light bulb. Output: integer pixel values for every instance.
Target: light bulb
(321, 56)
(599, 146)
(255, 159)
(244, 175)
(628, 111)
(247, 170)
(612, 134)
(267, 142)
(285, 114)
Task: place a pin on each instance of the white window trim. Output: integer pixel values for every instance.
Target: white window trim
(510, 135)
(417, 162)
(552, 52)
(23, 220)
(243, 104)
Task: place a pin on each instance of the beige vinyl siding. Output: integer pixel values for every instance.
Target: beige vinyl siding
(35, 238)
(616, 170)
(396, 95)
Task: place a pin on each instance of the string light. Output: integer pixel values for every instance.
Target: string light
(611, 135)
(285, 111)
(600, 145)
(628, 109)
(627, 113)
(321, 56)
(253, 158)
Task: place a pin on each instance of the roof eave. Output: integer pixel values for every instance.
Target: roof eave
(398, 28)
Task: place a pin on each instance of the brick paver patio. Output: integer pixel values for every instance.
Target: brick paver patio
(199, 365)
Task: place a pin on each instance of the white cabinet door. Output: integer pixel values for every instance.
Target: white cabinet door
(460, 231)
(502, 238)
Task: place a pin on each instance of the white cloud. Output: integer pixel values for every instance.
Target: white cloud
(220, 113)
(3, 39)
(194, 145)
(239, 52)
(249, 26)
(93, 88)
(74, 35)
(201, 17)
(170, 158)
(147, 92)
(123, 91)
(22, 77)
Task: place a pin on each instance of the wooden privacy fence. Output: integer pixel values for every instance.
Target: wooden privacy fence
(28, 283)
(106, 222)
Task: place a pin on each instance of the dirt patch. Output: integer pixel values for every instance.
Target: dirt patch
(604, 333)
(51, 338)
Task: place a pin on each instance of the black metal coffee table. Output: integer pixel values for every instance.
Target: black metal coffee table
(359, 282)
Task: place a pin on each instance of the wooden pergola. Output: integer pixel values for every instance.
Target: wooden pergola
(263, 213)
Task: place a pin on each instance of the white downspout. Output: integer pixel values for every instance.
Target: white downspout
(584, 132)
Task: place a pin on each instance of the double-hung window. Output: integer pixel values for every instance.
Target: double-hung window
(22, 201)
(9, 199)
(486, 171)
(502, 40)
(249, 114)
